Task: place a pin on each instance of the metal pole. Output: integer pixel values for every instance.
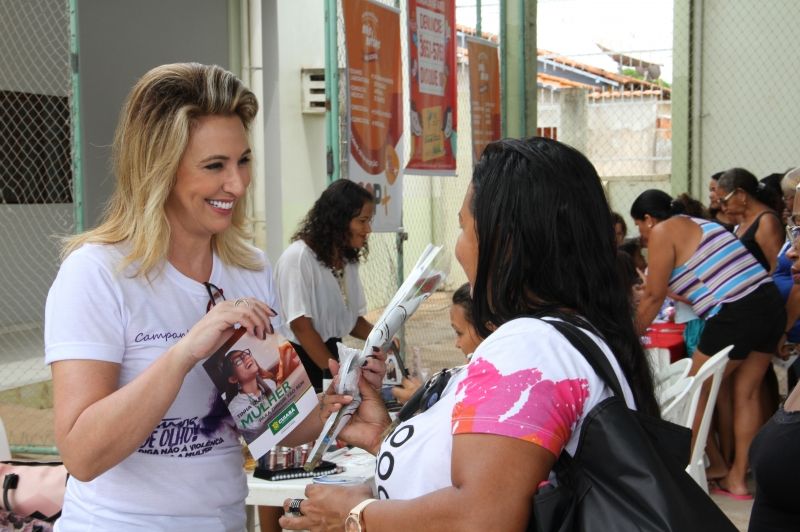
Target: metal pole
(33, 449)
(503, 70)
(478, 19)
(75, 112)
(401, 237)
(332, 90)
(521, 65)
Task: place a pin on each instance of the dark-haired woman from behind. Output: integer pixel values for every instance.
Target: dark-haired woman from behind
(474, 459)
(317, 276)
(703, 263)
(757, 208)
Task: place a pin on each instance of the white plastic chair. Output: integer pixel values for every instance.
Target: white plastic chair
(677, 370)
(5, 450)
(672, 381)
(681, 410)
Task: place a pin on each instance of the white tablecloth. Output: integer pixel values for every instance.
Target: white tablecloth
(356, 463)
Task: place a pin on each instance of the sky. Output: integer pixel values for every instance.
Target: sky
(641, 28)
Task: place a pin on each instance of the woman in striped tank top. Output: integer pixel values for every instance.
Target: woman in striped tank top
(699, 262)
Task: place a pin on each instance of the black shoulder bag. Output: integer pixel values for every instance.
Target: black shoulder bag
(628, 472)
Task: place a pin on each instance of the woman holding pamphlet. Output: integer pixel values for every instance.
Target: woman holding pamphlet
(317, 276)
(162, 283)
(538, 248)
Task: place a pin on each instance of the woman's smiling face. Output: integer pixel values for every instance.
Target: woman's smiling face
(213, 174)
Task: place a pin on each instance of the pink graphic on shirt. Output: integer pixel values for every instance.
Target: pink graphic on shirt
(521, 405)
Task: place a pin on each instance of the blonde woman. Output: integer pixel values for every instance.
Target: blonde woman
(157, 287)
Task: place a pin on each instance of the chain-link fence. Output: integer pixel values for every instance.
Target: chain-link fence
(35, 200)
(606, 89)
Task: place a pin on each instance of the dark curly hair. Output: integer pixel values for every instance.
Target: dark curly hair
(326, 227)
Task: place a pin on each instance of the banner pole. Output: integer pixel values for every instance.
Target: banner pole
(332, 90)
(478, 19)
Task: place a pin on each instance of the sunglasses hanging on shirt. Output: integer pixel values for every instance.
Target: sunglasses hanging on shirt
(215, 295)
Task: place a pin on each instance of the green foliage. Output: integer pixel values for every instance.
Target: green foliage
(631, 72)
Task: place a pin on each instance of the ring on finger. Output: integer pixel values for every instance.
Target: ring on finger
(294, 507)
(241, 301)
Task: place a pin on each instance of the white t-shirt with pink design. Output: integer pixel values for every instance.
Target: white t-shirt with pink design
(525, 381)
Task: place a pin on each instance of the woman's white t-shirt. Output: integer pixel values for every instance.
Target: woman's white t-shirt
(524, 381)
(188, 474)
(306, 287)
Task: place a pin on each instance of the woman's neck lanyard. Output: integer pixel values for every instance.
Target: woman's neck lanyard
(338, 274)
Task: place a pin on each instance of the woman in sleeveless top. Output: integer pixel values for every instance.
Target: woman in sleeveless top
(760, 228)
(701, 262)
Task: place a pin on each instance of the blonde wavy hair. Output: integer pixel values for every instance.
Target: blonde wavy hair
(150, 140)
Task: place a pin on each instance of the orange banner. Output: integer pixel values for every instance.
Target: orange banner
(433, 86)
(484, 94)
(375, 105)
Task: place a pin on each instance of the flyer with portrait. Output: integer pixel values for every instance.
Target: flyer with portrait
(265, 387)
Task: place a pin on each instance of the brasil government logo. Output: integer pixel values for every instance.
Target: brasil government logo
(283, 419)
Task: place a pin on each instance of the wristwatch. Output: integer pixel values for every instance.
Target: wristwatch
(354, 523)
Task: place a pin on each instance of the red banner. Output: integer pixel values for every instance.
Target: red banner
(433, 86)
(484, 94)
(375, 105)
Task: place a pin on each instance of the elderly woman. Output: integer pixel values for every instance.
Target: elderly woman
(753, 204)
(775, 452)
(704, 264)
(427, 474)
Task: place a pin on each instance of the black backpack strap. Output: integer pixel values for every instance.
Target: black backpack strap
(590, 351)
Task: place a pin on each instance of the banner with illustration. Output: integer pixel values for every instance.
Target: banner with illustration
(433, 86)
(375, 106)
(484, 94)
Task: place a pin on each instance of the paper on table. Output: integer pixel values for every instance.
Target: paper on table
(421, 282)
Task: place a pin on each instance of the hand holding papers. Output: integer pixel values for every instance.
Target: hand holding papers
(418, 286)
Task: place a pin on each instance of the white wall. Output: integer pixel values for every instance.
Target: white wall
(294, 143)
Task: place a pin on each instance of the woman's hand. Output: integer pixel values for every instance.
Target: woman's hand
(406, 389)
(374, 369)
(369, 421)
(220, 322)
(325, 507)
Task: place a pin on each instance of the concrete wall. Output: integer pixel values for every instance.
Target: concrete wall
(120, 40)
(294, 143)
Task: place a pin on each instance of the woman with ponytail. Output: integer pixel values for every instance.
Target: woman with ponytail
(757, 208)
(700, 262)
